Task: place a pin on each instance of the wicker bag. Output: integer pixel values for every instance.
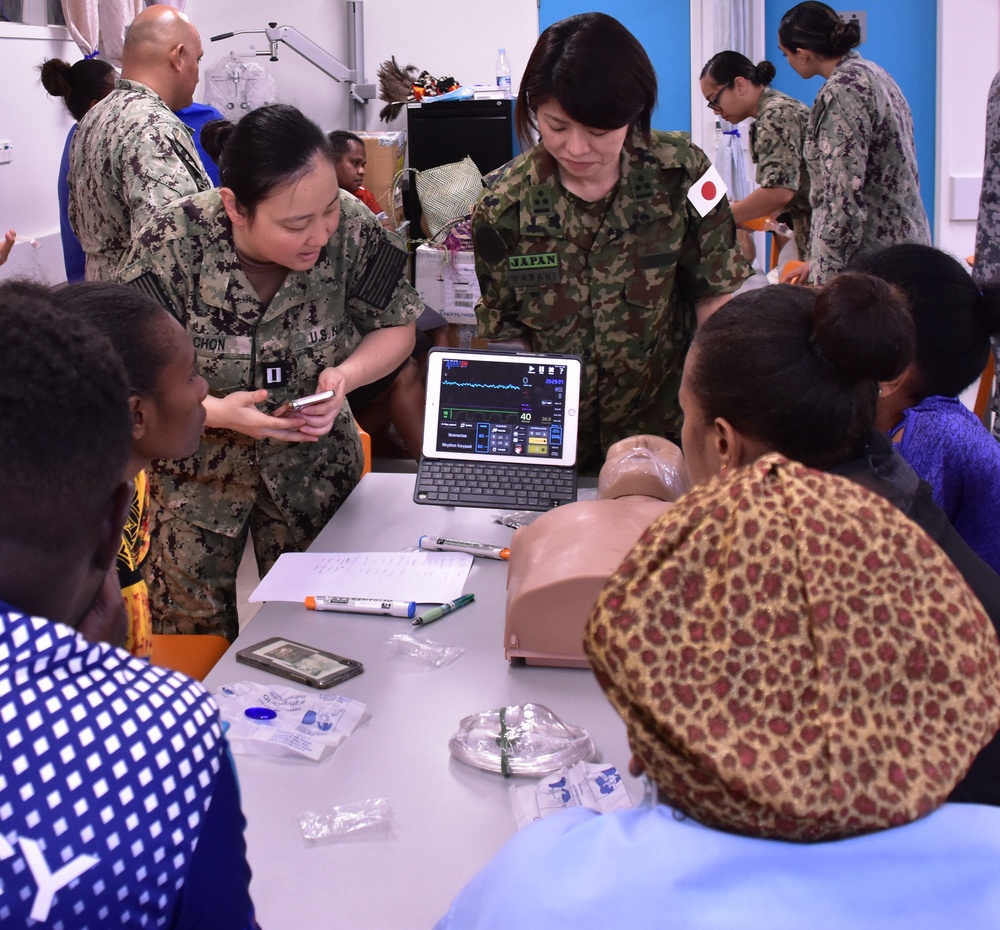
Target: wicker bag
(447, 194)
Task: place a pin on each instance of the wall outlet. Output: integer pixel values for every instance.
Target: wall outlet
(6, 152)
(859, 16)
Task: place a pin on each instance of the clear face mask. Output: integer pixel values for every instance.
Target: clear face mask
(649, 468)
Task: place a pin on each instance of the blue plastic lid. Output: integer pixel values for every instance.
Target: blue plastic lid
(260, 713)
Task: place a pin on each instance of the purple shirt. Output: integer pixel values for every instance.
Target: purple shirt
(956, 455)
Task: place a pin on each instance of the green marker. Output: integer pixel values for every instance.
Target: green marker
(436, 613)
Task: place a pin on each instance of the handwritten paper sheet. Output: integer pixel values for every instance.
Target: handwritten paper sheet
(424, 577)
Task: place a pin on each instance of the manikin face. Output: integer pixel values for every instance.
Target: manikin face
(292, 225)
(583, 154)
(351, 167)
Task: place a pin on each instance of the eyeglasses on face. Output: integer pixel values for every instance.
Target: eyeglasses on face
(713, 102)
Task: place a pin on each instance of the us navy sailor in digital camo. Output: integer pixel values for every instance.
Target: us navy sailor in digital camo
(287, 287)
(120, 805)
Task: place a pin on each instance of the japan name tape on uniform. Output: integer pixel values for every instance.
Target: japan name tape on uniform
(707, 191)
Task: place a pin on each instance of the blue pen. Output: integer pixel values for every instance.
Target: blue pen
(436, 613)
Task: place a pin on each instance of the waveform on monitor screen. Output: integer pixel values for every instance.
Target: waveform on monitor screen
(477, 384)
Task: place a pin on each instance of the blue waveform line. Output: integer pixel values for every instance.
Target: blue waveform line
(477, 384)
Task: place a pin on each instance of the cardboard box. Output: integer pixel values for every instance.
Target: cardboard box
(461, 289)
(428, 276)
(447, 283)
(385, 151)
(462, 337)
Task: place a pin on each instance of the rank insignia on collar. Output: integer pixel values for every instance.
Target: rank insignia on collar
(539, 200)
(640, 182)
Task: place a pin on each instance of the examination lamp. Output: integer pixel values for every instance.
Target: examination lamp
(359, 91)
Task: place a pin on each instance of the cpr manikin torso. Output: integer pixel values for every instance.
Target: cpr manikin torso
(561, 562)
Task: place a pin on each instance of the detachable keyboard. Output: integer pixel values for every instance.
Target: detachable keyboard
(510, 487)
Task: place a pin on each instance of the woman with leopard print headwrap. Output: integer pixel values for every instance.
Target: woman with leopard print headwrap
(805, 676)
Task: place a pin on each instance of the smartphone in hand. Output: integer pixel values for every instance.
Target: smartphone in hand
(292, 406)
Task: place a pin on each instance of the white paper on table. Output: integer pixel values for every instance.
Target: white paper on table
(596, 786)
(307, 724)
(424, 577)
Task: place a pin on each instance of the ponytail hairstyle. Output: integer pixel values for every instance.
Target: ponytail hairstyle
(798, 368)
(953, 319)
(80, 85)
(818, 28)
(266, 149)
(725, 67)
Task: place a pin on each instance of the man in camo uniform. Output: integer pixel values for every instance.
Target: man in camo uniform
(131, 154)
(283, 493)
(863, 168)
(987, 266)
(619, 290)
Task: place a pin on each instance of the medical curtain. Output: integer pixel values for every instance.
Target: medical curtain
(99, 25)
(733, 28)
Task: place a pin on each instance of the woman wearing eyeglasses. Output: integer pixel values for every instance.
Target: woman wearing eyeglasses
(862, 159)
(737, 90)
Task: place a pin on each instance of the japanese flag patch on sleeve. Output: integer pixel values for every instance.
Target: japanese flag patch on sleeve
(707, 191)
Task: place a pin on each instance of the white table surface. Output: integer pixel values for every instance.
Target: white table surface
(448, 818)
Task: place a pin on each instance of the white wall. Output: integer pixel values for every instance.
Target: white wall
(968, 58)
(36, 125)
(422, 34)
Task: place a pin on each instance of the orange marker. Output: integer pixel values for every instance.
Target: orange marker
(483, 550)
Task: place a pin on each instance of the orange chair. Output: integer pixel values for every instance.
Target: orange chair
(980, 409)
(791, 267)
(366, 445)
(190, 653)
(196, 654)
(767, 224)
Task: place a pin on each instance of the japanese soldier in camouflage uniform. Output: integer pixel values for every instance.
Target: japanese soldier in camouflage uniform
(589, 244)
(285, 284)
(131, 154)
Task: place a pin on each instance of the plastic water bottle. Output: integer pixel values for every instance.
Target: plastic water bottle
(503, 72)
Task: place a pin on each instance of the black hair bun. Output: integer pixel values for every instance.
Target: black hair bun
(862, 328)
(214, 135)
(765, 72)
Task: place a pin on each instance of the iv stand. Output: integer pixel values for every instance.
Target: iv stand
(350, 74)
